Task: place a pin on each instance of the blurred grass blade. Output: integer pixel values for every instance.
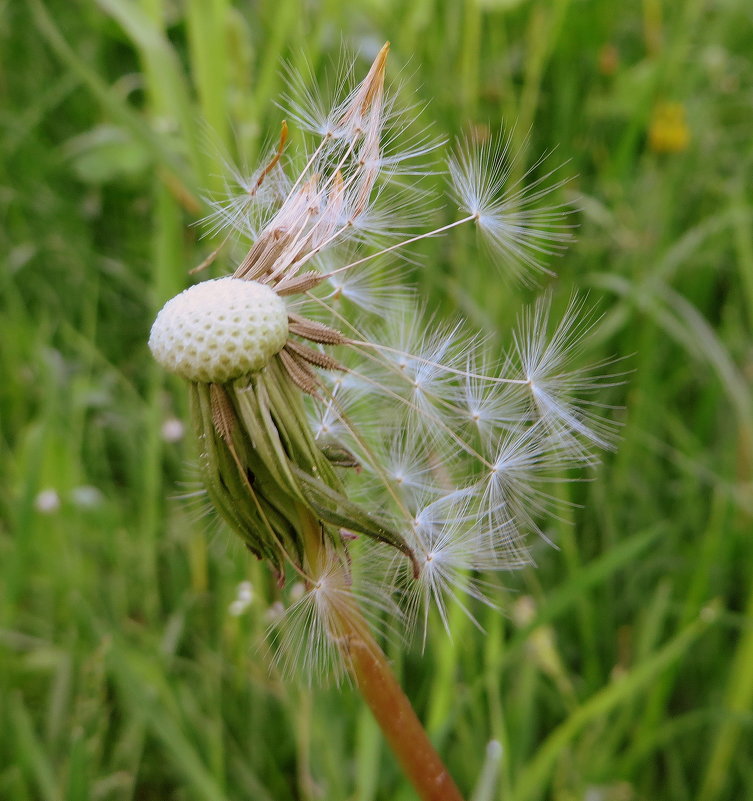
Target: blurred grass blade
(533, 778)
(486, 788)
(31, 752)
(164, 74)
(561, 598)
(738, 701)
(185, 180)
(154, 701)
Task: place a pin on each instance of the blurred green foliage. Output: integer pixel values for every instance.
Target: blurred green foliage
(619, 669)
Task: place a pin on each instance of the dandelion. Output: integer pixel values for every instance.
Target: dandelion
(668, 129)
(378, 461)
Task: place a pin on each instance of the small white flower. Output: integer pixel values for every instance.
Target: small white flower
(172, 430)
(87, 497)
(244, 597)
(236, 608)
(47, 501)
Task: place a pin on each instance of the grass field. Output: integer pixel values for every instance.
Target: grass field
(621, 667)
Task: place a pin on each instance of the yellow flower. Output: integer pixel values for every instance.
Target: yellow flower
(668, 131)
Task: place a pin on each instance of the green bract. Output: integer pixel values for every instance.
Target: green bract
(264, 471)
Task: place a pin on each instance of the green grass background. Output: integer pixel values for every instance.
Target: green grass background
(122, 675)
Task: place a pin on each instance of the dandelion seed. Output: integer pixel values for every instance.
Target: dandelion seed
(560, 391)
(508, 213)
(523, 462)
(248, 200)
(489, 407)
(376, 289)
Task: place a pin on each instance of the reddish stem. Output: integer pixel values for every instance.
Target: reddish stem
(374, 678)
(398, 721)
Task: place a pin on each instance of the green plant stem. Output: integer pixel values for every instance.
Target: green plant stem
(380, 689)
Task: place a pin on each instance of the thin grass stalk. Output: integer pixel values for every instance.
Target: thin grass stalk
(588, 625)
(206, 27)
(494, 645)
(469, 58)
(533, 779)
(737, 702)
(368, 756)
(167, 276)
(544, 28)
(283, 17)
(443, 689)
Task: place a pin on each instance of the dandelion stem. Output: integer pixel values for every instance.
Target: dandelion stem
(398, 721)
(380, 689)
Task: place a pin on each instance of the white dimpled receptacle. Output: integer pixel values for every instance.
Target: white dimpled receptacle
(219, 330)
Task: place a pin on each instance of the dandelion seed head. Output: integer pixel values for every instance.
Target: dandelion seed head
(373, 455)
